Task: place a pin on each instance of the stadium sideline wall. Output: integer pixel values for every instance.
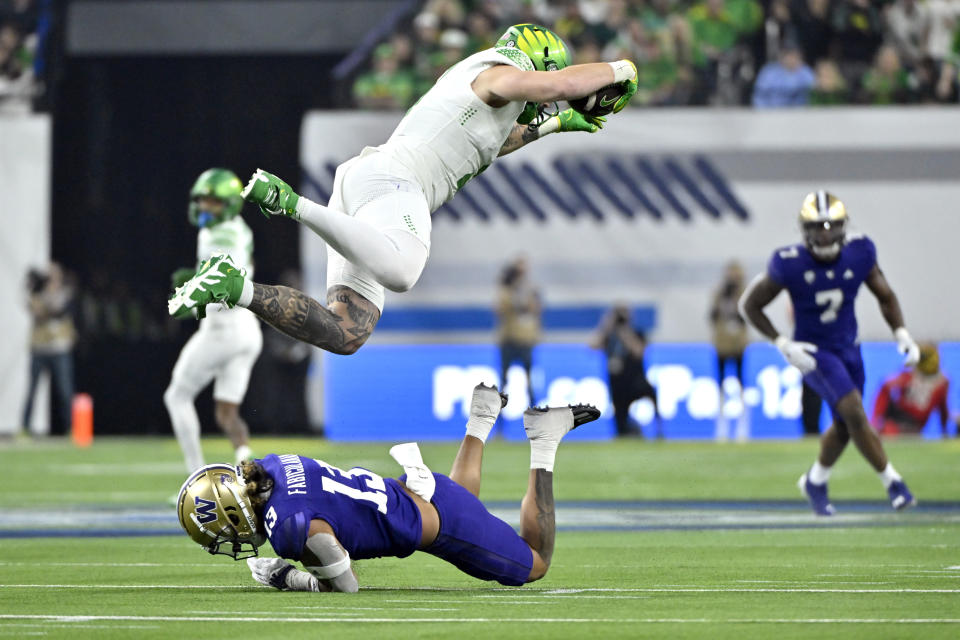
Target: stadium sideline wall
(25, 243)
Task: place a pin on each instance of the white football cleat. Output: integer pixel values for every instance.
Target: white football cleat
(487, 402)
(555, 422)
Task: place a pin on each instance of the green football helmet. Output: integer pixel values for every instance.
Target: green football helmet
(545, 49)
(222, 184)
(216, 512)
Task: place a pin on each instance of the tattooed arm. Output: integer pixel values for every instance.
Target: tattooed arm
(520, 135)
(342, 327)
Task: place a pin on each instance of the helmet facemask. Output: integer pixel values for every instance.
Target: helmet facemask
(824, 239)
(216, 512)
(221, 185)
(202, 214)
(536, 114)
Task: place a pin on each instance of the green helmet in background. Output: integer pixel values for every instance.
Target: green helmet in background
(222, 184)
(545, 49)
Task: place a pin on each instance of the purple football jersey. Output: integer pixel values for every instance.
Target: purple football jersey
(371, 516)
(823, 293)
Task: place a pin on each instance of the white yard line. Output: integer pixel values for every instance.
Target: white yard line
(496, 620)
(545, 592)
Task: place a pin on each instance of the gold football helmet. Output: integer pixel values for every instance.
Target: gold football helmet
(929, 359)
(217, 514)
(823, 218)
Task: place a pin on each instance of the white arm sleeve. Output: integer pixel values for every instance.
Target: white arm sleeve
(335, 567)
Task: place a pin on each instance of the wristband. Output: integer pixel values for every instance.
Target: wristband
(780, 341)
(301, 581)
(552, 125)
(622, 70)
(902, 335)
(279, 579)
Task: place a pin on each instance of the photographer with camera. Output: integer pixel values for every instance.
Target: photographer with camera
(519, 311)
(624, 347)
(52, 339)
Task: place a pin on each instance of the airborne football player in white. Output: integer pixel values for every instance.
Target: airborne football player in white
(377, 223)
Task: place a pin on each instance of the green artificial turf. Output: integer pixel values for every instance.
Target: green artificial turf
(869, 573)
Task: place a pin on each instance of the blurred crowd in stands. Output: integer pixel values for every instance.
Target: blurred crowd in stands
(23, 28)
(768, 53)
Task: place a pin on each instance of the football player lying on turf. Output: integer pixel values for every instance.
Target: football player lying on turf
(377, 223)
(323, 516)
(823, 276)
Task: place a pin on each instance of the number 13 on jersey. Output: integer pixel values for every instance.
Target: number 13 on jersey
(374, 490)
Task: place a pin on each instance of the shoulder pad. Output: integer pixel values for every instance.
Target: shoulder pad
(516, 56)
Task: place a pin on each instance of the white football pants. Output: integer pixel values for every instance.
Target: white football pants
(221, 351)
(376, 226)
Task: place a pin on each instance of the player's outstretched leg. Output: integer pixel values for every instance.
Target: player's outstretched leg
(485, 406)
(186, 424)
(341, 327)
(545, 428)
(369, 237)
(850, 408)
(813, 483)
(228, 418)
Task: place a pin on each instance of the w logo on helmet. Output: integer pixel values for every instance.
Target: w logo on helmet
(206, 510)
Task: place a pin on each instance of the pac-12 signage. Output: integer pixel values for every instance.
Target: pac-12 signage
(422, 392)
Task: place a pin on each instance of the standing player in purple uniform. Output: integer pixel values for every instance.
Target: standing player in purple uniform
(323, 516)
(823, 276)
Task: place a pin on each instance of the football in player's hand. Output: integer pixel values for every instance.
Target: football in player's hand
(600, 102)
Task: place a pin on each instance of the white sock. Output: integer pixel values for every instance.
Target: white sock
(394, 257)
(818, 473)
(888, 476)
(186, 426)
(543, 453)
(480, 428)
(246, 296)
(242, 453)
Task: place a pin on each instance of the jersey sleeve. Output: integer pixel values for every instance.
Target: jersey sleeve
(776, 270)
(869, 253)
(516, 58)
(290, 535)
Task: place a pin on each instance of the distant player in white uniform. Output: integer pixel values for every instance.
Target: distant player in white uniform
(377, 223)
(228, 341)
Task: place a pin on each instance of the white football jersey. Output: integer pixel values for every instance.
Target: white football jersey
(450, 134)
(234, 238)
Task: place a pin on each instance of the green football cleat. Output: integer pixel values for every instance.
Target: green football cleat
(273, 195)
(218, 280)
